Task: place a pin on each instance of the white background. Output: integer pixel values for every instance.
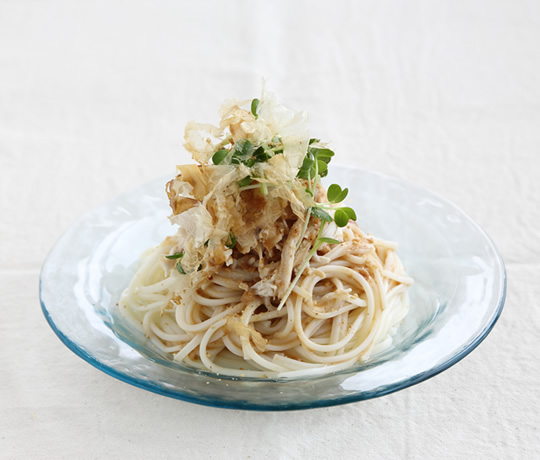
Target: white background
(93, 100)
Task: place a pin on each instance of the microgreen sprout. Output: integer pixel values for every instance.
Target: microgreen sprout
(179, 268)
(336, 194)
(254, 105)
(343, 215)
(178, 257)
(219, 156)
(246, 153)
(245, 181)
(232, 241)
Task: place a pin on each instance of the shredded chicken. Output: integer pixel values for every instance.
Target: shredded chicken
(287, 258)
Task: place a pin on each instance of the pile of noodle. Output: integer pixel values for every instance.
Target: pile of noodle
(241, 248)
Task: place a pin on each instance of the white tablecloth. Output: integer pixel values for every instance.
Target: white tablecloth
(93, 100)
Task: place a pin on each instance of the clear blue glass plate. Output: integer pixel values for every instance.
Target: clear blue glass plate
(459, 292)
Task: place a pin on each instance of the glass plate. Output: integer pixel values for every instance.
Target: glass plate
(459, 292)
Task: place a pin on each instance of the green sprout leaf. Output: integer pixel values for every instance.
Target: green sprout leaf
(329, 240)
(313, 140)
(341, 218)
(350, 213)
(261, 155)
(254, 105)
(315, 161)
(321, 214)
(177, 256)
(179, 268)
(219, 156)
(232, 243)
(305, 171)
(322, 168)
(322, 154)
(336, 194)
(245, 181)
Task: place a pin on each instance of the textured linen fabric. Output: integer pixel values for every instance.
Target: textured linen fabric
(93, 100)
